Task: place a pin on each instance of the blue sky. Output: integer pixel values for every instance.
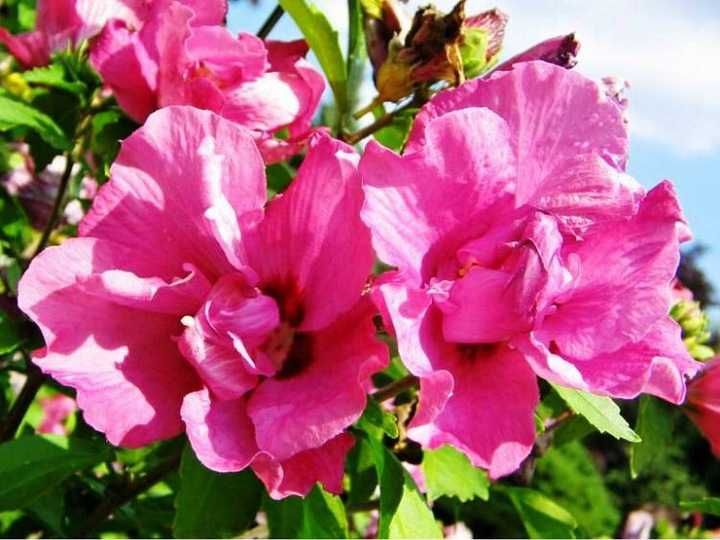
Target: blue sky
(666, 49)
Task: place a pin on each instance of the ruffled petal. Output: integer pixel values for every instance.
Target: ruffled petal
(181, 191)
(220, 432)
(624, 283)
(658, 365)
(299, 474)
(129, 376)
(125, 67)
(489, 414)
(321, 389)
(312, 251)
(467, 155)
(554, 116)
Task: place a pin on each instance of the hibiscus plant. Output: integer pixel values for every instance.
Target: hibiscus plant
(242, 297)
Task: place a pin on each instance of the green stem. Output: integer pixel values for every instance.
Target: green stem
(57, 205)
(270, 22)
(15, 416)
(396, 387)
(127, 493)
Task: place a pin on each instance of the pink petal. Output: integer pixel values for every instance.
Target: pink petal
(468, 157)
(703, 405)
(299, 474)
(125, 67)
(220, 432)
(56, 410)
(658, 365)
(311, 249)
(230, 59)
(321, 389)
(58, 20)
(220, 341)
(626, 269)
(181, 190)
(490, 413)
(488, 306)
(554, 115)
(30, 49)
(129, 376)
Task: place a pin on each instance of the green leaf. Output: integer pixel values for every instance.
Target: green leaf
(450, 473)
(10, 336)
(319, 515)
(356, 60)
(654, 425)
(15, 113)
(376, 418)
(323, 40)
(569, 476)
(602, 412)
(211, 504)
(54, 75)
(361, 474)
(33, 465)
(403, 510)
(279, 176)
(706, 505)
(541, 517)
(395, 134)
(14, 223)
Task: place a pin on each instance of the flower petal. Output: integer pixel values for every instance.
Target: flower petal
(312, 250)
(119, 359)
(321, 389)
(658, 365)
(181, 191)
(554, 115)
(626, 270)
(467, 154)
(299, 474)
(220, 432)
(490, 414)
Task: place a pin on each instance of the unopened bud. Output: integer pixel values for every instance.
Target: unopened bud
(561, 51)
(695, 326)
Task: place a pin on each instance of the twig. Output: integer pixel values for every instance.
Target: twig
(383, 121)
(270, 22)
(131, 490)
(396, 387)
(526, 471)
(15, 416)
(359, 135)
(55, 213)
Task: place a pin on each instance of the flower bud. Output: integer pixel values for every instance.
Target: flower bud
(695, 328)
(560, 50)
(435, 47)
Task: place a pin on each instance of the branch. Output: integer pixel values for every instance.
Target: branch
(270, 22)
(132, 489)
(15, 416)
(55, 213)
(395, 388)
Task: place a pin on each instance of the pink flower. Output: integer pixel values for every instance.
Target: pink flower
(66, 22)
(703, 403)
(178, 59)
(56, 410)
(522, 249)
(187, 305)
